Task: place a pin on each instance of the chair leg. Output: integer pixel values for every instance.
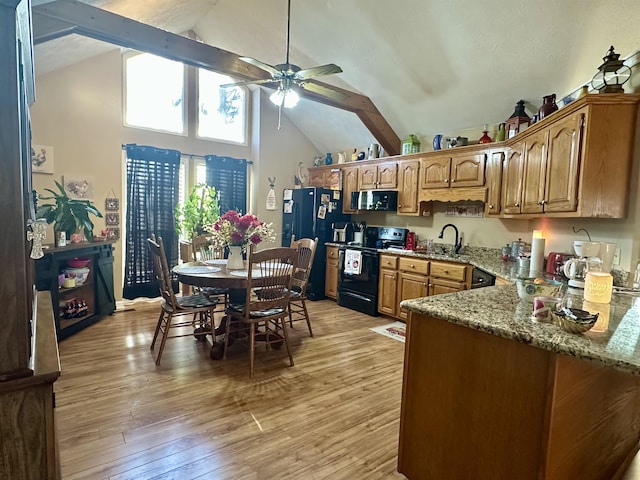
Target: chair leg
(158, 325)
(226, 336)
(252, 346)
(306, 316)
(165, 334)
(285, 334)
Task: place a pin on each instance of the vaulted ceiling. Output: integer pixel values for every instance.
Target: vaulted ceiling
(428, 66)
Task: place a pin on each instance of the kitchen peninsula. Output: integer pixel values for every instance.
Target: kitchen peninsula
(490, 394)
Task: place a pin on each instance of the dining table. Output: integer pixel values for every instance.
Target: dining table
(214, 273)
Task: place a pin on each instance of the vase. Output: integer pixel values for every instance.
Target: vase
(548, 106)
(235, 261)
(485, 138)
(501, 135)
(437, 142)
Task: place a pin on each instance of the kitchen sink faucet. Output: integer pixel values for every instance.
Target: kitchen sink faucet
(457, 246)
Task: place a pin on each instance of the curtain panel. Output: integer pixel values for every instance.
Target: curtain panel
(152, 195)
(228, 176)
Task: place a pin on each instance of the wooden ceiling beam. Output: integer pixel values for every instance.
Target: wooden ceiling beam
(59, 18)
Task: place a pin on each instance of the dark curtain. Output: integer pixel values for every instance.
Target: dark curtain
(229, 177)
(152, 196)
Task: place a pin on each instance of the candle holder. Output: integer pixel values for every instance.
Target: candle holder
(598, 287)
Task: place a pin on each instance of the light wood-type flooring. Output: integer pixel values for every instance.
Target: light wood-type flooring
(334, 415)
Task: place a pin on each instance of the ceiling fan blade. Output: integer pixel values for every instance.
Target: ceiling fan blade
(323, 91)
(249, 82)
(328, 69)
(264, 66)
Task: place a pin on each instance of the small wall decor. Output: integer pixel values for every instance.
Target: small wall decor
(112, 219)
(271, 196)
(111, 203)
(113, 233)
(80, 187)
(41, 159)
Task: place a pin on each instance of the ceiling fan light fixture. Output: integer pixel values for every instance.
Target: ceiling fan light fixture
(286, 97)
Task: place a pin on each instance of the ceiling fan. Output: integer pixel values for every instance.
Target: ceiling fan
(287, 76)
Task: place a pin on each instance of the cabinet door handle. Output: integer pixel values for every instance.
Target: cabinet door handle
(446, 181)
(453, 180)
(516, 204)
(490, 207)
(446, 271)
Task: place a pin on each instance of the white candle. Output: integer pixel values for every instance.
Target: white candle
(537, 254)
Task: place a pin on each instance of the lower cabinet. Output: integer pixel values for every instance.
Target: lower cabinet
(449, 277)
(78, 306)
(406, 277)
(331, 273)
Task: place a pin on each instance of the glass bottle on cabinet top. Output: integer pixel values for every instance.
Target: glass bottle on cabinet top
(485, 138)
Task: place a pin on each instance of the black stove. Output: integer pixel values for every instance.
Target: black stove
(358, 266)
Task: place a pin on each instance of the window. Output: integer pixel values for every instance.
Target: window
(154, 93)
(221, 111)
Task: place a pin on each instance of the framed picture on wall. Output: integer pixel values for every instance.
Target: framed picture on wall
(112, 218)
(79, 186)
(114, 233)
(41, 159)
(111, 203)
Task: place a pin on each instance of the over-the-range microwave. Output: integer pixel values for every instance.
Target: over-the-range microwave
(381, 200)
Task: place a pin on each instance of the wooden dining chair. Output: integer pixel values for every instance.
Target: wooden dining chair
(297, 301)
(204, 249)
(261, 320)
(199, 308)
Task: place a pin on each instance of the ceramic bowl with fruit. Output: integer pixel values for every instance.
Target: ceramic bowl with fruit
(532, 287)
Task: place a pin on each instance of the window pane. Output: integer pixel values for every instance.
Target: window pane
(221, 113)
(154, 89)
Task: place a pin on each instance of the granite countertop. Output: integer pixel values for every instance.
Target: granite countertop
(613, 342)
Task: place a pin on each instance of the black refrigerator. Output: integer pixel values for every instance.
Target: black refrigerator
(309, 213)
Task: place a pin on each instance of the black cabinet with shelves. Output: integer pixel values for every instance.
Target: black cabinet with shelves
(82, 305)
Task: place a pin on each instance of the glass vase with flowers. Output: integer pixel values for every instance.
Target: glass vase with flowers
(236, 232)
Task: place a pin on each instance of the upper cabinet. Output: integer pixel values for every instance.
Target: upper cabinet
(378, 176)
(349, 185)
(564, 165)
(453, 169)
(575, 162)
(408, 176)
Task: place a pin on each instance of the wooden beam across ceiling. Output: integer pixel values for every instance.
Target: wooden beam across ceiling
(63, 17)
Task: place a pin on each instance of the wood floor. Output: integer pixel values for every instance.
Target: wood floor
(335, 414)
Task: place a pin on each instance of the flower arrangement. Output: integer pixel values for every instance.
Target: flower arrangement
(233, 229)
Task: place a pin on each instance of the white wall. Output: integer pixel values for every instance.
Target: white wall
(78, 111)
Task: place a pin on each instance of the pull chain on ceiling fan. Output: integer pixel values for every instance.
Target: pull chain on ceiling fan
(286, 76)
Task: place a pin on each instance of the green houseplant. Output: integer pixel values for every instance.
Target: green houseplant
(200, 209)
(68, 214)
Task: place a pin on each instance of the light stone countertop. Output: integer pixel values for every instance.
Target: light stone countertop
(499, 311)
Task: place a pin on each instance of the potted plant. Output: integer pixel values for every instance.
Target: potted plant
(68, 214)
(201, 208)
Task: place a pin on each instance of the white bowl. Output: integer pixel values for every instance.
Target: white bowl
(80, 274)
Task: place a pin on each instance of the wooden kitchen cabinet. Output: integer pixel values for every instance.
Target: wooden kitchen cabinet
(412, 281)
(512, 179)
(459, 169)
(349, 185)
(408, 178)
(331, 272)
(494, 183)
(449, 277)
(318, 177)
(561, 166)
(387, 285)
(534, 172)
(378, 176)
